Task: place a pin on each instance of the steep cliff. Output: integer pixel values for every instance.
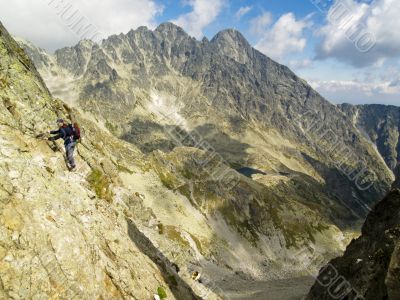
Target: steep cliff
(370, 266)
(381, 124)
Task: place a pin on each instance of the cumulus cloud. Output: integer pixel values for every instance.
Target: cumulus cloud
(283, 38)
(244, 10)
(260, 24)
(47, 23)
(300, 64)
(362, 34)
(358, 92)
(203, 13)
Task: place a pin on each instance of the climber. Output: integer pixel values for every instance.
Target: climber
(70, 135)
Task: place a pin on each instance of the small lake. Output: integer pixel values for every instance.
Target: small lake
(246, 171)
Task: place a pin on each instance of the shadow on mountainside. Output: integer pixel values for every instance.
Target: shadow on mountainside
(149, 136)
(356, 191)
(179, 288)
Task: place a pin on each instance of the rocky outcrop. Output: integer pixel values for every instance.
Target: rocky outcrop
(370, 266)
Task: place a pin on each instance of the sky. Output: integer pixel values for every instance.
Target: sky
(348, 50)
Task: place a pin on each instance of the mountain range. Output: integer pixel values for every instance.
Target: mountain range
(197, 156)
(253, 111)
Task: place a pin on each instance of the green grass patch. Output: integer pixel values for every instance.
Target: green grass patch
(4, 82)
(175, 235)
(187, 174)
(247, 230)
(100, 184)
(111, 127)
(168, 180)
(161, 292)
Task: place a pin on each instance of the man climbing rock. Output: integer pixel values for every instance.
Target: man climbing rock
(68, 134)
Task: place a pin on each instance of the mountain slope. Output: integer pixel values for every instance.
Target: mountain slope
(234, 100)
(370, 267)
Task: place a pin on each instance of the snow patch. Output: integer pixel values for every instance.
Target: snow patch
(166, 110)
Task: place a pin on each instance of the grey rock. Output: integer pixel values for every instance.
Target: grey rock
(381, 124)
(369, 268)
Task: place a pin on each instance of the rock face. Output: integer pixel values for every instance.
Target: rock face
(396, 184)
(370, 266)
(253, 111)
(381, 124)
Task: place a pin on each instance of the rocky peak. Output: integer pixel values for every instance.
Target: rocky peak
(85, 45)
(168, 28)
(230, 36)
(170, 35)
(233, 44)
(74, 59)
(141, 31)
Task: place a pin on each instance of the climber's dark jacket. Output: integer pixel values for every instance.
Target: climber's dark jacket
(66, 133)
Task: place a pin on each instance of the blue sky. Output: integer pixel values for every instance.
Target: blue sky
(349, 51)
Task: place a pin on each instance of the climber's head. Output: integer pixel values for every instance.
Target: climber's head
(60, 122)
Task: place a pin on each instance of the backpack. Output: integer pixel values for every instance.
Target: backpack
(76, 131)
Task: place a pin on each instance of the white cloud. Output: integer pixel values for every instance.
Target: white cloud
(38, 21)
(259, 24)
(283, 38)
(357, 92)
(203, 13)
(300, 64)
(242, 11)
(361, 34)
